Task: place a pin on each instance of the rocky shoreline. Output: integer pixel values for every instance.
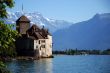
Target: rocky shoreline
(23, 58)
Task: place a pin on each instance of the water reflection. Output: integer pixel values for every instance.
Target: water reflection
(38, 66)
(64, 64)
(43, 66)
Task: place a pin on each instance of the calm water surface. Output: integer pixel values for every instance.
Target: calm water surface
(63, 64)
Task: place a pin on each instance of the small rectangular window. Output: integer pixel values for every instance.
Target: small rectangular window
(43, 41)
(36, 46)
(39, 41)
(43, 46)
(50, 46)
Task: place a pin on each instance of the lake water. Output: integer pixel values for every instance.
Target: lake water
(63, 64)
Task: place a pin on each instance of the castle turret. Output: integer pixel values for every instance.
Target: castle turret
(22, 24)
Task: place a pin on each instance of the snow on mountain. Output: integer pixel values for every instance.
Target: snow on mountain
(37, 18)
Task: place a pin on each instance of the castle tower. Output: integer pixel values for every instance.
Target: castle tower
(22, 25)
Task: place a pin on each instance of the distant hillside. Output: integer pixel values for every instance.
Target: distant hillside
(39, 19)
(91, 34)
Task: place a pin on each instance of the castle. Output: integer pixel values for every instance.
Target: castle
(34, 41)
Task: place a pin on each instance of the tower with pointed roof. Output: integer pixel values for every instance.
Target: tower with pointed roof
(22, 24)
(35, 41)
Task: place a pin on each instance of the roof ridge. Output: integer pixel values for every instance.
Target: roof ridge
(41, 35)
(23, 18)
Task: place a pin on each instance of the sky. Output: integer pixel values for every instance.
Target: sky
(69, 10)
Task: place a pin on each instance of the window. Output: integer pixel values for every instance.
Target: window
(50, 46)
(36, 46)
(40, 48)
(43, 46)
(43, 41)
(39, 41)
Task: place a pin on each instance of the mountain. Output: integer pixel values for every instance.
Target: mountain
(91, 34)
(37, 18)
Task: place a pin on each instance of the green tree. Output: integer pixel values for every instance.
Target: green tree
(3, 68)
(106, 52)
(7, 40)
(7, 35)
(4, 4)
